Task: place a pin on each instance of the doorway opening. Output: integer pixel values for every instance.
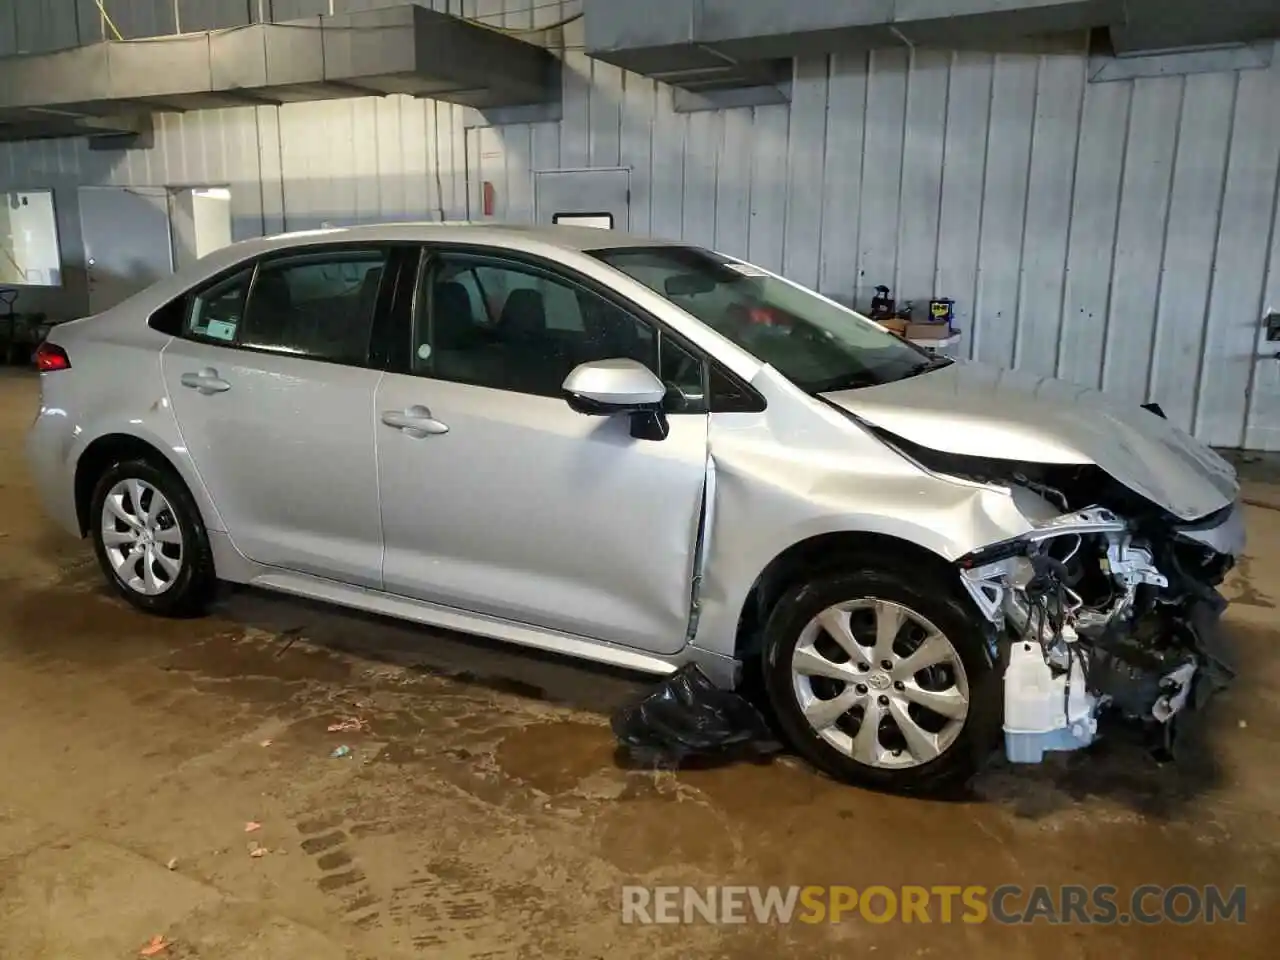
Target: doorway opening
(200, 218)
(135, 236)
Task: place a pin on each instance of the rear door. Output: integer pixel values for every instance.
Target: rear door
(499, 499)
(273, 391)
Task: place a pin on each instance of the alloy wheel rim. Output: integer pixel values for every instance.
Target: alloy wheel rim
(880, 683)
(142, 537)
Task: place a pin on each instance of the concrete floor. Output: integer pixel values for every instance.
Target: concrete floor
(482, 813)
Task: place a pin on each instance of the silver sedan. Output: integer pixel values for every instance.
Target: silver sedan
(648, 454)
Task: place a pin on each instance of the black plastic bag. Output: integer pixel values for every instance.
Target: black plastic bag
(687, 715)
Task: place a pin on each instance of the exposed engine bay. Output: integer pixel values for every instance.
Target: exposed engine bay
(1111, 606)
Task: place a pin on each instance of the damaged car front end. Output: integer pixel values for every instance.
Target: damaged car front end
(1104, 608)
(1108, 602)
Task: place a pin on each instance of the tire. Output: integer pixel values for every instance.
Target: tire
(926, 604)
(181, 579)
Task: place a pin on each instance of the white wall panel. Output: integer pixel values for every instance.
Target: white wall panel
(882, 168)
(1199, 178)
(1141, 234)
(1094, 216)
(1004, 197)
(842, 177)
(636, 149)
(923, 143)
(768, 186)
(1262, 423)
(605, 119)
(733, 181)
(1240, 269)
(1118, 234)
(1055, 136)
(575, 127)
(701, 157)
(802, 241)
(964, 173)
(666, 186)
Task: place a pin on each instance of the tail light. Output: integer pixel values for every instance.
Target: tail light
(50, 357)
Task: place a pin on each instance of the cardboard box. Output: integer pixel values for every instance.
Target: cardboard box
(928, 331)
(894, 325)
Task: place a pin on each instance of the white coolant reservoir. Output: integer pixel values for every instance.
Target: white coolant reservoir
(1042, 711)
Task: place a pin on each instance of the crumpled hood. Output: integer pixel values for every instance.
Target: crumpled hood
(981, 410)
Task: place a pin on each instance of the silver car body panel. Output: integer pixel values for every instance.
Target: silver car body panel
(122, 395)
(1224, 535)
(304, 428)
(530, 512)
(529, 523)
(980, 410)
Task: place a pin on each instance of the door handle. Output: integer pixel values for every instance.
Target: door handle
(417, 422)
(206, 381)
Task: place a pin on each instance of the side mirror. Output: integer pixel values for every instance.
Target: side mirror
(605, 387)
(614, 386)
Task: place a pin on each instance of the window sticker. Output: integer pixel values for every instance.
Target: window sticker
(221, 330)
(746, 269)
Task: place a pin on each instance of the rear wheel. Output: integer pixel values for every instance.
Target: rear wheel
(883, 677)
(150, 540)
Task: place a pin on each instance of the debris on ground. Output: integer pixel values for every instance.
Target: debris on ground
(256, 850)
(293, 633)
(349, 725)
(155, 946)
(687, 715)
(266, 743)
(171, 864)
(340, 752)
(252, 826)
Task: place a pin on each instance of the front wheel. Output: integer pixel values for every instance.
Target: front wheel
(883, 677)
(150, 540)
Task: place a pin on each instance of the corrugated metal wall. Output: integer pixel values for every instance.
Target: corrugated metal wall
(1116, 234)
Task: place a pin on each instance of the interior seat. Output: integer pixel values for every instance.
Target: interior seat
(347, 335)
(533, 361)
(459, 350)
(270, 315)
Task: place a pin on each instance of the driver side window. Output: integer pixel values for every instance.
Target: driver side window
(512, 326)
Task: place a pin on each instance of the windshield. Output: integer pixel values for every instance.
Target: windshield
(818, 345)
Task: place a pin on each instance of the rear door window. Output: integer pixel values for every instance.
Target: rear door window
(318, 305)
(218, 311)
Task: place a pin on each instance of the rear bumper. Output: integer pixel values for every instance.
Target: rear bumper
(48, 455)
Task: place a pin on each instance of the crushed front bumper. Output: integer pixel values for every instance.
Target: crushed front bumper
(1149, 648)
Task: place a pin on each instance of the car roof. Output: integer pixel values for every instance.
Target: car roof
(579, 239)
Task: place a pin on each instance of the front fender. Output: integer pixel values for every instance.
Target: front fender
(756, 522)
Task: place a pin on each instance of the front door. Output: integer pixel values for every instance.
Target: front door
(273, 394)
(584, 198)
(127, 241)
(499, 499)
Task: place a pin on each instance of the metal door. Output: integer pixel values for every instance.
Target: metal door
(127, 241)
(1262, 426)
(514, 506)
(286, 447)
(593, 198)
